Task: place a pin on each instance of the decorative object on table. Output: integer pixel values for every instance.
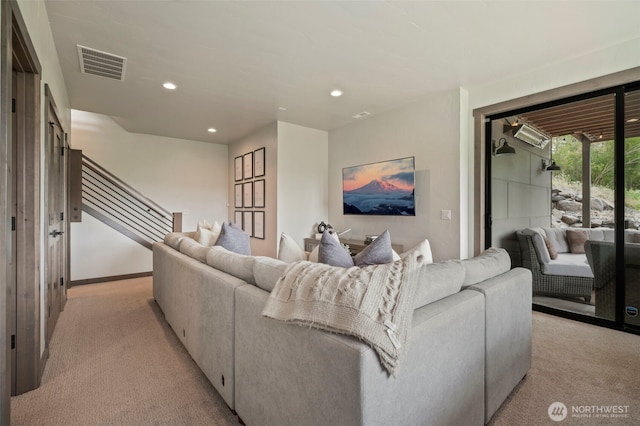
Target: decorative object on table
(323, 227)
(247, 161)
(259, 162)
(384, 188)
(238, 168)
(368, 239)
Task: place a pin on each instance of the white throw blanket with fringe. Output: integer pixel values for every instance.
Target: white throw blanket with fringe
(374, 303)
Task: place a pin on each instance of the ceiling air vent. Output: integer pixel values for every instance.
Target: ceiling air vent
(102, 64)
(361, 114)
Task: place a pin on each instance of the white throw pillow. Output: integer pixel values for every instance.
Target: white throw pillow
(424, 248)
(289, 251)
(208, 234)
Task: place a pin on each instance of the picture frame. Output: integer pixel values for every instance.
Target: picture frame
(247, 223)
(247, 197)
(238, 168)
(259, 162)
(237, 219)
(258, 193)
(385, 188)
(258, 225)
(247, 161)
(238, 196)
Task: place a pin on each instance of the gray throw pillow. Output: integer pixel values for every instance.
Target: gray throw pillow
(234, 239)
(376, 253)
(331, 252)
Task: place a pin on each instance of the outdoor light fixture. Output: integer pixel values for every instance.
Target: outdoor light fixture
(531, 135)
(505, 149)
(550, 166)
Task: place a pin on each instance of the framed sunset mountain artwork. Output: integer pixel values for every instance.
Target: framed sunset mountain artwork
(385, 188)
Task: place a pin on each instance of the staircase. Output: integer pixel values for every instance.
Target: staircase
(124, 209)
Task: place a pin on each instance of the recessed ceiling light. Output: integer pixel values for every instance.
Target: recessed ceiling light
(632, 120)
(169, 85)
(211, 130)
(335, 93)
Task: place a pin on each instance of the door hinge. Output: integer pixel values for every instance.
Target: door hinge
(62, 151)
(61, 215)
(13, 105)
(13, 341)
(61, 282)
(13, 223)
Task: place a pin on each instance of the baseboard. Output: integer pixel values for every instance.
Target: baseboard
(111, 278)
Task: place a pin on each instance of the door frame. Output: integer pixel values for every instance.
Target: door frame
(17, 52)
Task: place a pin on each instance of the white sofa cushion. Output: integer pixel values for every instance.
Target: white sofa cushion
(238, 265)
(194, 249)
(173, 239)
(267, 270)
(493, 261)
(574, 265)
(437, 281)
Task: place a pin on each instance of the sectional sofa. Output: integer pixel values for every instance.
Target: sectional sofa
(469, 346)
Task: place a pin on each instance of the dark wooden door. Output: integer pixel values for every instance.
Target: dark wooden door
(55, 185)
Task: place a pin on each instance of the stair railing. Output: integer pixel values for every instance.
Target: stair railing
(112, 201)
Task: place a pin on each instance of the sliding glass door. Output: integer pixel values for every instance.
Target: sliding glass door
(563, 197)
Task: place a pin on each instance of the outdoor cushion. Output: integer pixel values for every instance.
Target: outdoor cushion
(568, 264)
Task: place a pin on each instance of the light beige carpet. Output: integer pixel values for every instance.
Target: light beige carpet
(115, 361)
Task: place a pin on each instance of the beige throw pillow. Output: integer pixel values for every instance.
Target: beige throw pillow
(576, 239)
(553, 254)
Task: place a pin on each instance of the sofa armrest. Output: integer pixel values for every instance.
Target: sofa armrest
(508, 299)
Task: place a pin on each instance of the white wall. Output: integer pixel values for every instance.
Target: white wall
(266, 137)
(37, 22)
(428, 130)
(180, 175)
(303, 196)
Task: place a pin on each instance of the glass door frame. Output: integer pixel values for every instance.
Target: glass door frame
(619, 194)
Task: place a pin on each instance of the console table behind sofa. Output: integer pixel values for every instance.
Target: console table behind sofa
(356, 246)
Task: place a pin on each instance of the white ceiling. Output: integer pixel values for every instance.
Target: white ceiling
(237, 62)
